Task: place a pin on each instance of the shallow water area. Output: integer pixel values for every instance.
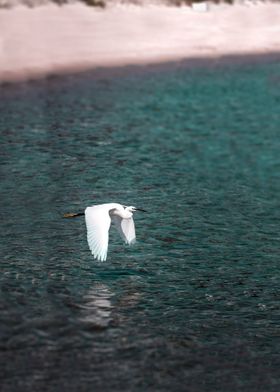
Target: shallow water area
(194, 305)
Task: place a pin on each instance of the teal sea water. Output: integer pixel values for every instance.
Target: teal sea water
(194, 305)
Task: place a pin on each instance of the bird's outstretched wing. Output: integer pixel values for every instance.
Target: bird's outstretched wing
(126, 229)
(98, 222)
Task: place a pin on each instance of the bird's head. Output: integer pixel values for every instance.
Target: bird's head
(132, 209)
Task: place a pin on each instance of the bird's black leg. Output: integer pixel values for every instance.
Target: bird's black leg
(73, 214)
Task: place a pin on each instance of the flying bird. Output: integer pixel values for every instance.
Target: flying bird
(98, 221)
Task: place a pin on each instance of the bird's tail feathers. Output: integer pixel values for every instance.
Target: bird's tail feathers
(73, 214)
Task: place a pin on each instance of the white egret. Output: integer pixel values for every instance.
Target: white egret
(98, 221)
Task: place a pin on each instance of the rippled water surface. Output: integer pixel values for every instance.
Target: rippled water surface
(194, 305)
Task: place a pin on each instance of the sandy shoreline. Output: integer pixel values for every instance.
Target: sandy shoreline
(51, 40)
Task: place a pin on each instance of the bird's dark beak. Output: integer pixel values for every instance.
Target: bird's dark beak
(140, 209)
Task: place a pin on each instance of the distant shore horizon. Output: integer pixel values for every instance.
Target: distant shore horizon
(52, 40)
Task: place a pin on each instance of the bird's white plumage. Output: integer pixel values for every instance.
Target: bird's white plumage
(126, 228)
(98, 221)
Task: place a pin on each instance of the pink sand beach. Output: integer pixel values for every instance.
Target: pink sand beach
(48, 39)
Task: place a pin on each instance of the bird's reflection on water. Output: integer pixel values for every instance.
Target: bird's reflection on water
(96, 310)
